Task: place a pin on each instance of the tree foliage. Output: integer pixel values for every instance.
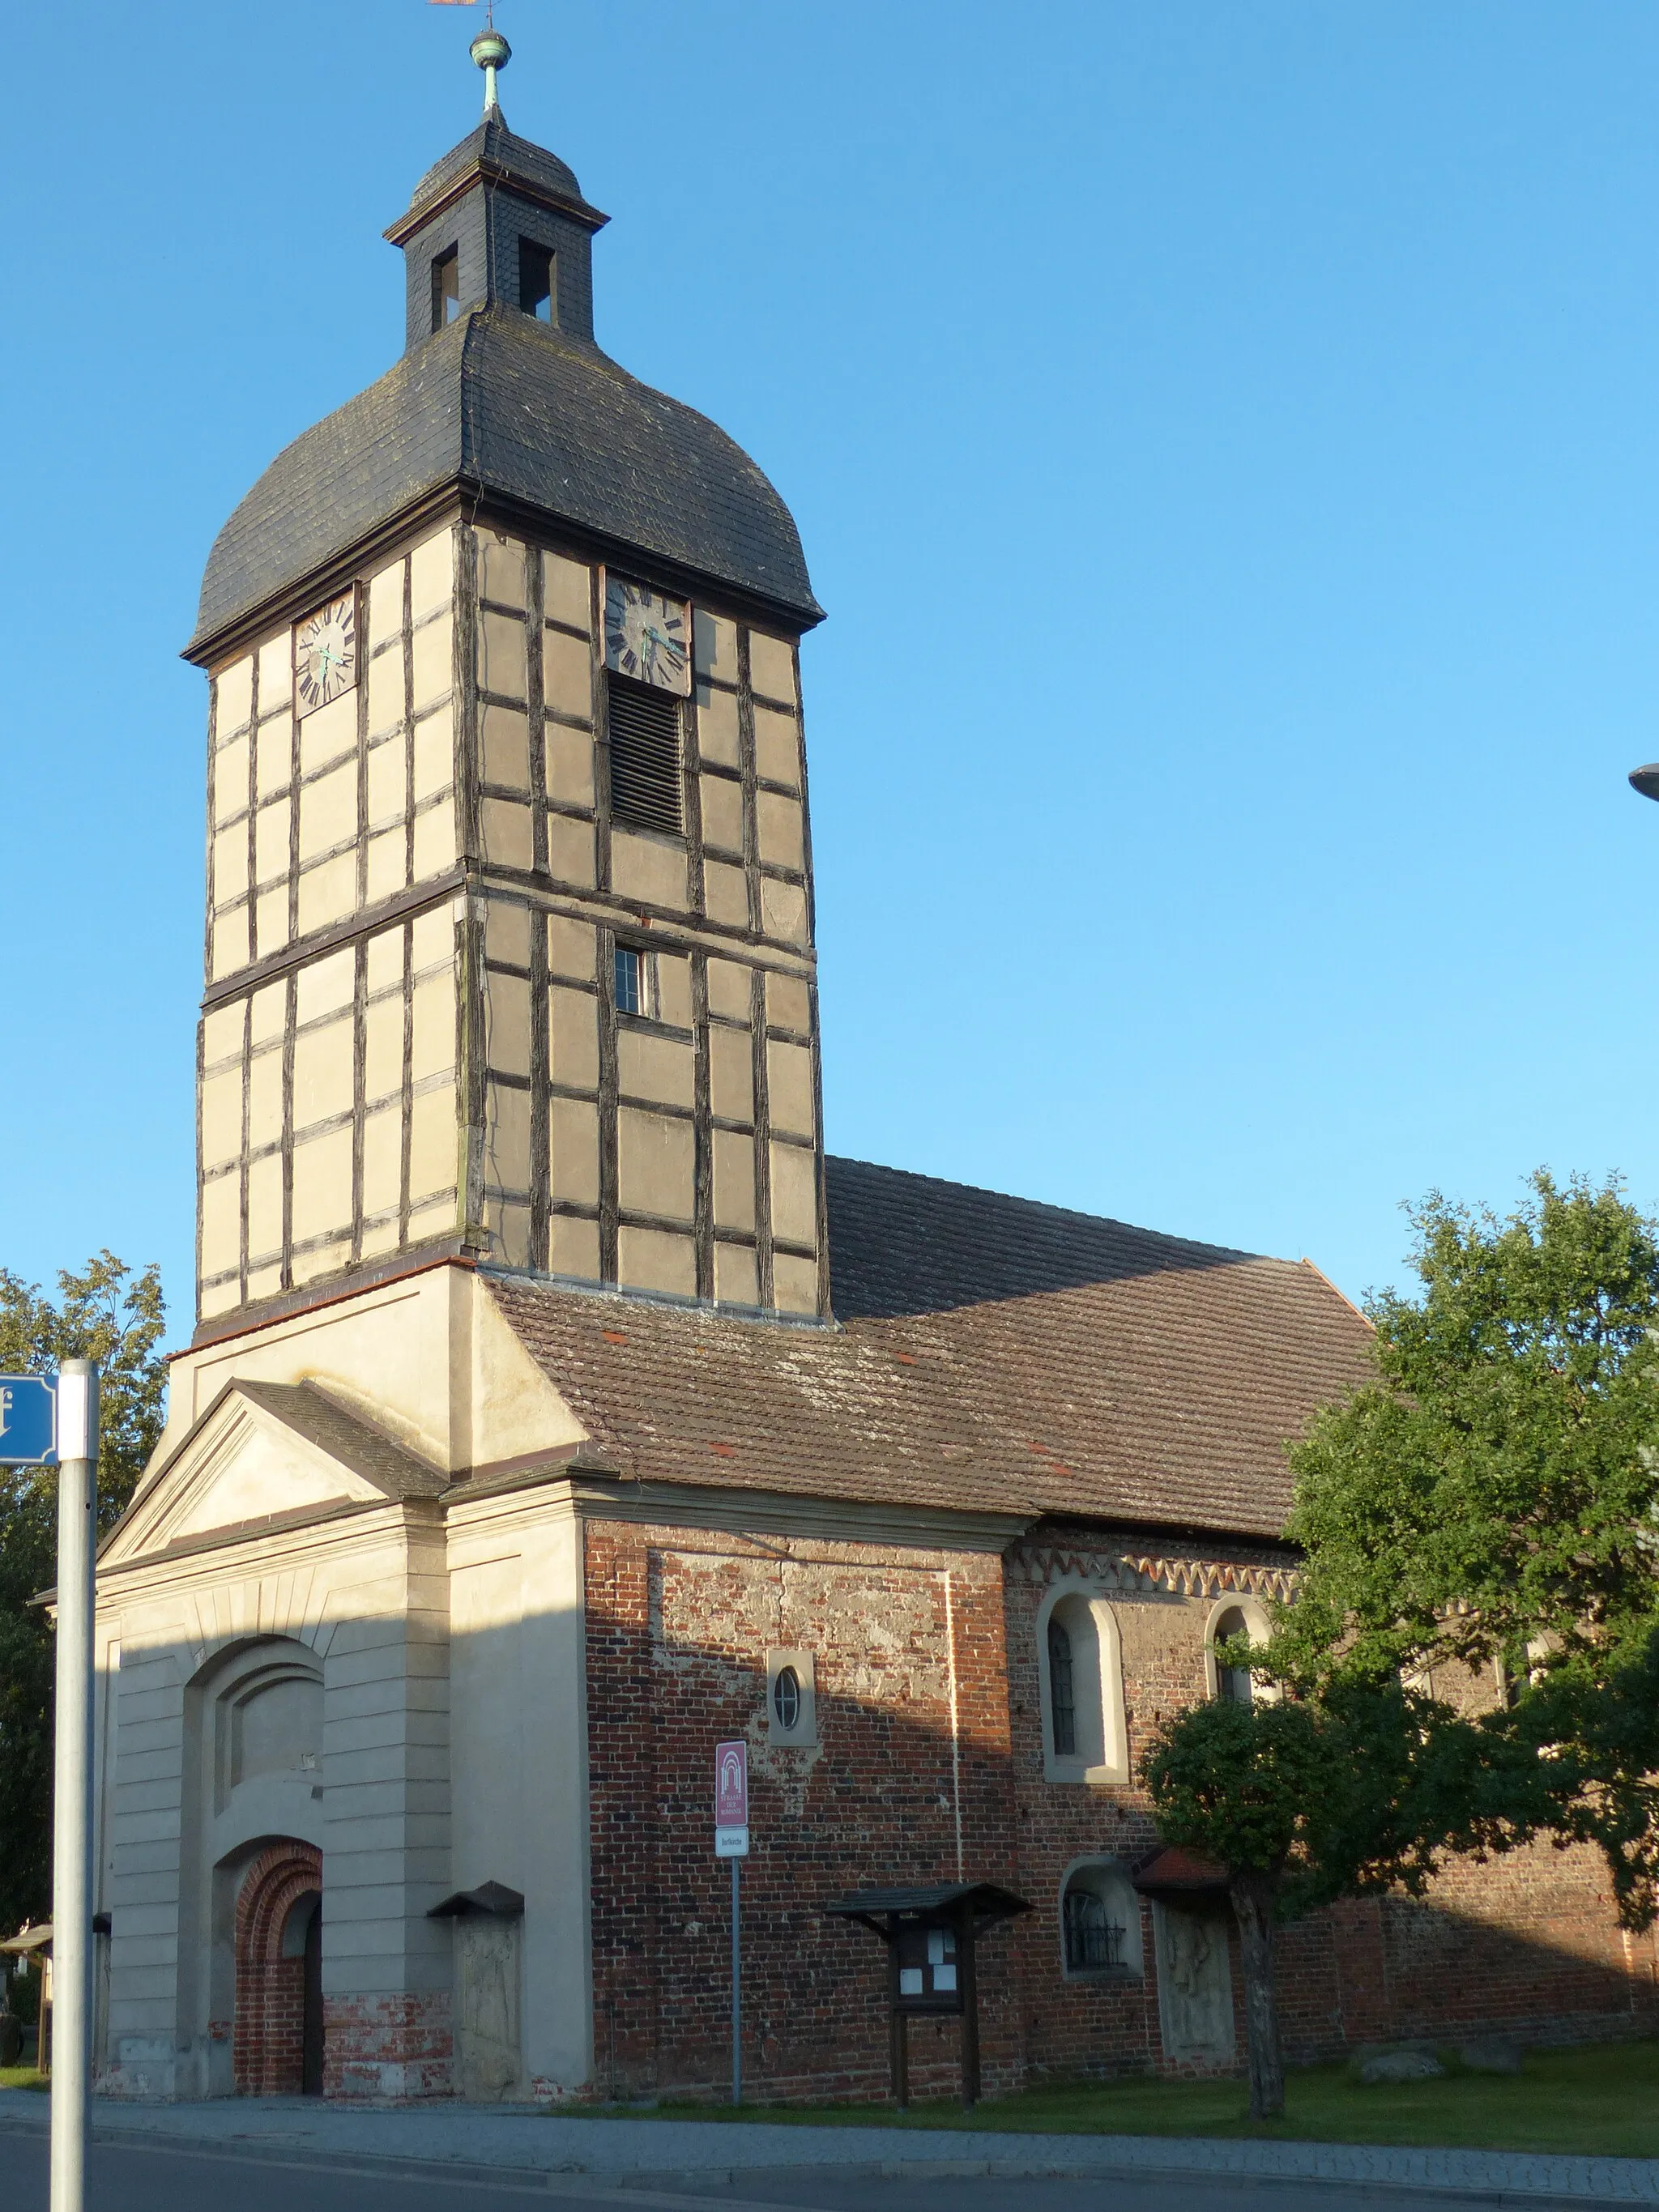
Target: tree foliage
(1357, 1786)
(1482, 1519)
(1490, 1507)
(1498, 1484)
(107, 1314)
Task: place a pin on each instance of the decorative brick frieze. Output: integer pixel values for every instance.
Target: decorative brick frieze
(1147, 1572)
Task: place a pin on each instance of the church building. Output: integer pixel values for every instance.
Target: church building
(557, 1409)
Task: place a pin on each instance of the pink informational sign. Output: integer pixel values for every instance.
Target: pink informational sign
(731, 1800)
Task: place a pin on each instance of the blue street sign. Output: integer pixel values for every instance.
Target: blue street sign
(28, 1420)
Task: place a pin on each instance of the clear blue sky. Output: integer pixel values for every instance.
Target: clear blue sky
(1222, 437)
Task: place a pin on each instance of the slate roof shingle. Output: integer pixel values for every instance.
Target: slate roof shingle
(499, 402)
(502, 153)
(996, 1356)
(357, 1444)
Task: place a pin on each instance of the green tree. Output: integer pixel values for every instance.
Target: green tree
(1355, 1789)
(107, 1314)
(1488, 1510)
(1498, 1483)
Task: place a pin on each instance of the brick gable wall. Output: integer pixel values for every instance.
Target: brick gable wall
(680, 1622)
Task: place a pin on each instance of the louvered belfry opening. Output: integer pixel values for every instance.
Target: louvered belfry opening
(645, 758)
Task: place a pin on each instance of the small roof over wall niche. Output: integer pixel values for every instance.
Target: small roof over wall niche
(491, 1898)
(1169, 1872)
(938, 1903)
(34, 1936)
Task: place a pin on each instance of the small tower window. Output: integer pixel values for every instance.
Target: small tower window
(645, 758)
(1062, 1698)
(785, 1699)
(536, 280)
(634, 992)
(446, 288)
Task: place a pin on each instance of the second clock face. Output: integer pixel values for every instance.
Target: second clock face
(647, 636)
(326, 653)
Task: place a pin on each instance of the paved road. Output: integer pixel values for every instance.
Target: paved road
(129, 2177)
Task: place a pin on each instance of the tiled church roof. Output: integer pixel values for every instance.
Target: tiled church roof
(995, 1356)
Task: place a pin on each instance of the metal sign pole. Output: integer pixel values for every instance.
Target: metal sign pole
(732, 1842)
(71, 1891)
(737, 1991)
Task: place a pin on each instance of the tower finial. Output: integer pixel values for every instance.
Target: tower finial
(491, 53)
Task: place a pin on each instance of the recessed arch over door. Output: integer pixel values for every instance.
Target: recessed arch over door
(278, 1921)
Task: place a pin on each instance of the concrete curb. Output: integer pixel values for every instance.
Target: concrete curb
(1537, 2180)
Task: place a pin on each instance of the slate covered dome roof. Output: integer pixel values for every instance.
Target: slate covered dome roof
(494, 147)
(507, 408)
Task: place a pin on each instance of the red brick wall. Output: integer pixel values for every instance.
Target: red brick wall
(1526, 1945)
(388, 2046)
(267, 2041)
(679, 1623)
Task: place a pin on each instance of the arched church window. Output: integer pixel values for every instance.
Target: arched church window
(1235, 1684)
(1080, 1671)
(786, 1698)
(1237, 1620)
(1062, 1698)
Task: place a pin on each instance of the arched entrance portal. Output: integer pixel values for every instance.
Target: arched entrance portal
(278, 2042)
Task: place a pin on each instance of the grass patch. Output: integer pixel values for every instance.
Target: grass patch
(21, 2077)
(1601, 2101)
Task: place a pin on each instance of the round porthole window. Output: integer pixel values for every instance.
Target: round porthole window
(786, 1697)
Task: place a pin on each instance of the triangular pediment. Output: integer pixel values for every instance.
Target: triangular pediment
(264, 1452)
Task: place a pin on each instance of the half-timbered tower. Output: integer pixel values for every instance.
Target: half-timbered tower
(556, 1409)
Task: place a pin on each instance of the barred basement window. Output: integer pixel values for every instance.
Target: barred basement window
(645, 759)
(1062, 1698)
(1093, 1941)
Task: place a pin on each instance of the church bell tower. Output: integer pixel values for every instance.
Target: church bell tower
(510, 947)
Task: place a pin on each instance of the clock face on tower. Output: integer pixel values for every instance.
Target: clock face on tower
(647, 636)
(326, 653)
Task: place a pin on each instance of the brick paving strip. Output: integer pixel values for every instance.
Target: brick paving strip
(548, 2151)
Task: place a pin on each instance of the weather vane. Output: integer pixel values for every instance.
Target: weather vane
(489, 49)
